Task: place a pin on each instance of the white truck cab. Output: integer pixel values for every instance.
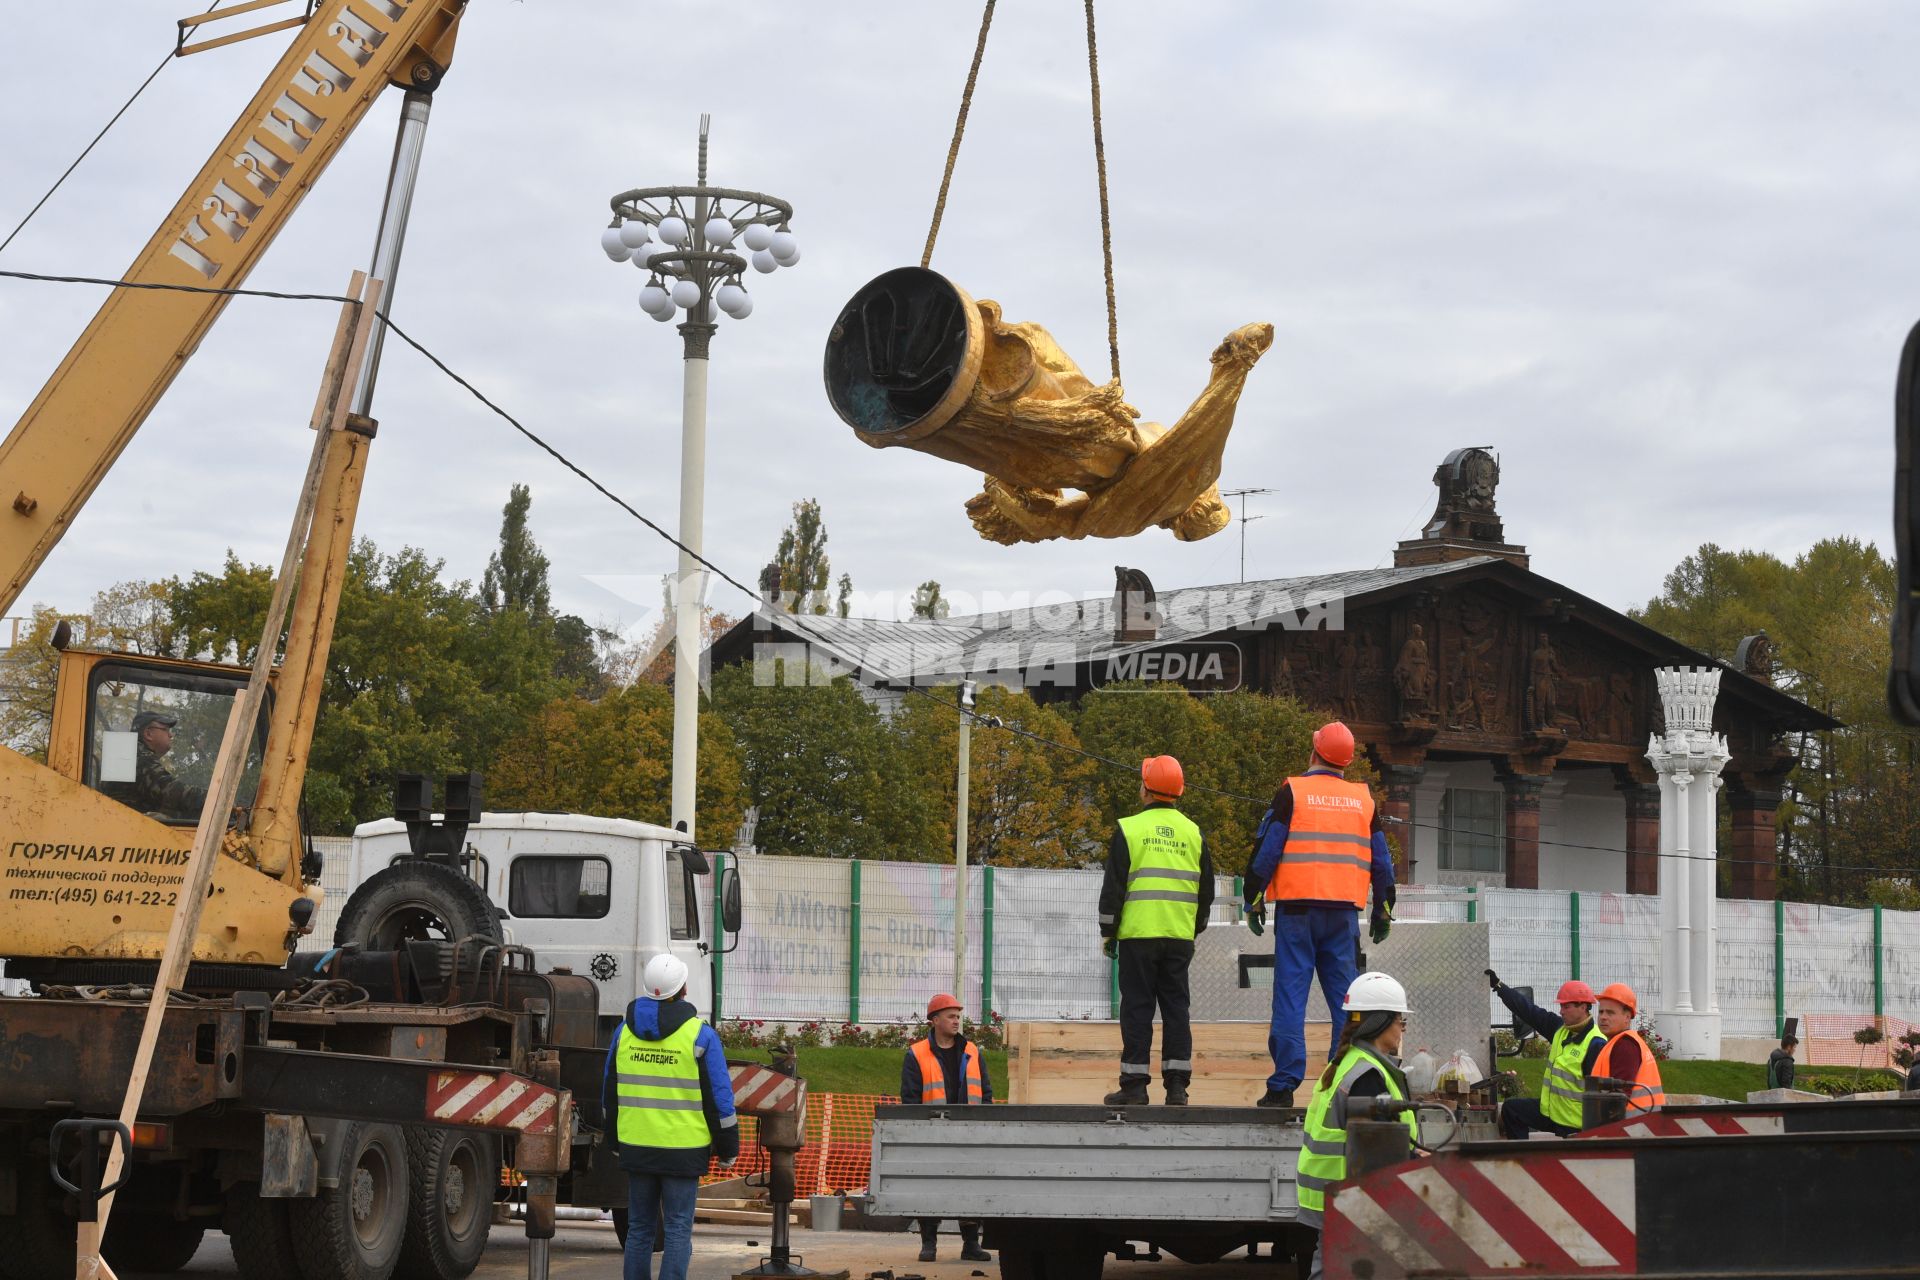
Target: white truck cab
(599, 896)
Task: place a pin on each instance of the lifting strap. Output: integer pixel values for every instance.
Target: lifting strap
(1099, 161)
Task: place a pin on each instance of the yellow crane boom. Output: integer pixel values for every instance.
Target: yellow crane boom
(89, 410)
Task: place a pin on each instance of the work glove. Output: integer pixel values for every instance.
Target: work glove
(1111, 946)
(1257, 918)
(1493, 980)
(1382, 923)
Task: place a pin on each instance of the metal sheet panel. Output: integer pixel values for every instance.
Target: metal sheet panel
(1441, 963)
(1221, 1164)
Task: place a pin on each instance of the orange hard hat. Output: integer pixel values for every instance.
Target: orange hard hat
(941, 1003)
(1333, 742)
(1621, 993)
(1574, 992)
(1162, 776)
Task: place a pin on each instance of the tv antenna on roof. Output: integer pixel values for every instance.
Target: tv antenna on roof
(1243, 518)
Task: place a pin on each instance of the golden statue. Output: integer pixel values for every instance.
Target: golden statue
(914, 361)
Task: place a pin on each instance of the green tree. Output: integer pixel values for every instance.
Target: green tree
(516, 576)
(614, 757)
(130, 616)
(821, 767)
(1028, 804)
(420, 676)
(1131, 720)
(1849, 817)
(801, 556)
(928, 603)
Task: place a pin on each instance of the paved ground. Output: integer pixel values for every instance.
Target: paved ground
(719, 1253)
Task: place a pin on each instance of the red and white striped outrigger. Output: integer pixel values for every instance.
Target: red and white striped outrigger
(1795, 1189)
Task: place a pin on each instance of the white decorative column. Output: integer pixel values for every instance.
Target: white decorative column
(1688, 758)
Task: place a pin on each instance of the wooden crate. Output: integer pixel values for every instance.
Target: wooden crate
(1063, 1062)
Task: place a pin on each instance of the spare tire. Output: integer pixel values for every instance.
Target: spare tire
(415, 901)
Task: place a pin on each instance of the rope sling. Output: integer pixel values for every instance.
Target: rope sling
(1099, 161)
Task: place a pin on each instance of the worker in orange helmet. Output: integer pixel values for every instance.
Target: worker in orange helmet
(945, 1069)
(1154, 900)
(1574, 1042)
(1627, 1056)
(1319, 851)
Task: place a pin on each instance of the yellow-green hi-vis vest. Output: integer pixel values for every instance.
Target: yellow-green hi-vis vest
(1163, 875)
(1564, 1081)
(1323, 1147)
(657, 1088)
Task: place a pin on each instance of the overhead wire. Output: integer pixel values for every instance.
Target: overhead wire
(84, 151)
(986, 720)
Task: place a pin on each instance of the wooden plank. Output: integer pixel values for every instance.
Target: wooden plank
(231, 761)
(1074, 1062)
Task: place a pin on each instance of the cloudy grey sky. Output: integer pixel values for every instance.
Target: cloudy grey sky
(1657, 255)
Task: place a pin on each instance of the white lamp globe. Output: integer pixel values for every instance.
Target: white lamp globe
(673, 230)
(744, 308)
(686, 295)
(791, 260)
(641, 255)
(665, 314)
(719, 231)
(785, 249)
(731, 298)
(633, 233)
(758, 236)
(763, 262)
(654, 299)
(614, 246)
(657, 249)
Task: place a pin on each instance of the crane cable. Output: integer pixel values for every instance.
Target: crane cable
(1099, 164)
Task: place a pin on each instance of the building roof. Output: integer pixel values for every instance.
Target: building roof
(1070, 632)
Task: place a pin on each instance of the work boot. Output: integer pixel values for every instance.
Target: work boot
(970, 1250)
(927, 1253)
(1275, 1098)
(929, 1240)
(1131, 1093)
(1176, 1093)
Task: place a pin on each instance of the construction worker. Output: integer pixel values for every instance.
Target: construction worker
(1365, 1063)
(1574, 1041)
(1319, 849)
(669, 1096)
(1780, 1063)
(155, 789)
(1626, 1055)
(1154, 900)
(942, 1067)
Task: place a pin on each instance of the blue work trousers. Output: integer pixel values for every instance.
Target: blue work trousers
(673, 1200)
(1322, 939)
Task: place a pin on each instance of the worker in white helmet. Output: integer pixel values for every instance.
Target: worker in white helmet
(668, 1099)
(1365, 1064)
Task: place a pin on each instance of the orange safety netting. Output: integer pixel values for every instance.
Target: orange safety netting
(839, 1148)
(1827, 1040)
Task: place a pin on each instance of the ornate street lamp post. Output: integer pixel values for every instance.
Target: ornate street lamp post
(692, 244)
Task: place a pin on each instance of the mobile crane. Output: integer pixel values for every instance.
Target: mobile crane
(329, 1137)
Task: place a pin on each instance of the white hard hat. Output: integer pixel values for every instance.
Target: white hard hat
(664, 976)
(1371, 993)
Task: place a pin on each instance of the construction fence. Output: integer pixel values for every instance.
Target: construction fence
(839, 1150)
(868, 941)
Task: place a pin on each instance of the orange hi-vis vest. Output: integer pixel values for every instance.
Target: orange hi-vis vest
(1328, 856)
(933, 1080)
(1648, 1077)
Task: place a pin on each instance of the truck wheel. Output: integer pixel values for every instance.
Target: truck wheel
(260, 1234)
(659, 1230)
(354, 1231)
(37, 1240)
(450, 1206)
(150, 1242)
(1019, 1262)
(415, 901)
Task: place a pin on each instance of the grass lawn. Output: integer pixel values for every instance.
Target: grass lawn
(845, 1069)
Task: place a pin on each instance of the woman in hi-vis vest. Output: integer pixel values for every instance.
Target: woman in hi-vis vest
(1319, 853)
